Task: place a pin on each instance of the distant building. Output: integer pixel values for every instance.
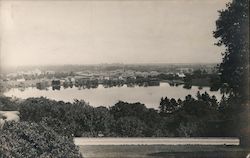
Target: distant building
(120, 78)
(50, 72)
(85, 74)
(106, 78)
(20, 80)
(154, 73)
(185, 70)
(181, 75)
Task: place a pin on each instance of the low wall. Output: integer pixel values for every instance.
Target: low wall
(156, 141)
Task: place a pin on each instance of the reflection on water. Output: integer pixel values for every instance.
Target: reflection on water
(108, 96)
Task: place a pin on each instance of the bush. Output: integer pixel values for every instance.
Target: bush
(31, 140)
(62, 128)
(7, 104)
(130, 127)
(124, 109)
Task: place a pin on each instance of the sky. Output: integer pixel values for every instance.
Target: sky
(108, 31)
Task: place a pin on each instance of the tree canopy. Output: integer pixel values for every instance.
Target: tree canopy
(25, 139)
(232, 31)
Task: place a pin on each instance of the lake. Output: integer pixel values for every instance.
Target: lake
(102, 96)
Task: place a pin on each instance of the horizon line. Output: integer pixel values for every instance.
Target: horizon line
(96, 64)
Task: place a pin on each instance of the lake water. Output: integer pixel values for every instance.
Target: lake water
(101, 96)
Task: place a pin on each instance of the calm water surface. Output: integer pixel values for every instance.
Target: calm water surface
(101, 96)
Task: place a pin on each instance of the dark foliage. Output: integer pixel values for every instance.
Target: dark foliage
(31, 140)
(189, 117)
(130, 127)
(7, 104)
(77, 119)
(123, 109)
(232, 30)
(200, 116)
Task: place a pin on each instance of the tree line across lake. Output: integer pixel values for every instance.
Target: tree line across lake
(196, 116)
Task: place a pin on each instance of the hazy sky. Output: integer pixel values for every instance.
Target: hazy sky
(108, 31)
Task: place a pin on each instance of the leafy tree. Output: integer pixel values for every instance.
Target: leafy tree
(76, 118)
(103, 121)
(152, 119)
(162, 107)
(232, 30)
(167, 106)
(31, 140)
(123, 109)
(188, 82)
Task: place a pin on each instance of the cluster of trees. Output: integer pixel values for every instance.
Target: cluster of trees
(87, 83)
(202, 78)
(199, 77)
(93, 83)
(132, 82)
(81, 119)
(200, 116)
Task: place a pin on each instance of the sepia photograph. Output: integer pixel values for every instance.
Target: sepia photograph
(124, 79)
